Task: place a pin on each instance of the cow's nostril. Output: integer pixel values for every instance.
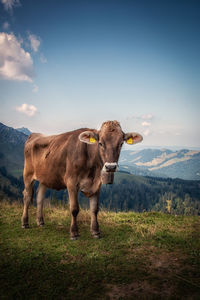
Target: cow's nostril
(110, 167)
(113, 168)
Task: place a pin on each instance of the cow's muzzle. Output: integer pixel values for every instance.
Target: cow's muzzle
(110, 167)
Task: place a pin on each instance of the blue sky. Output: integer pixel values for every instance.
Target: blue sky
(71, 64)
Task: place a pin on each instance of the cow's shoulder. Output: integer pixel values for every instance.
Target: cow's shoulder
(33, 136)
(36, 142)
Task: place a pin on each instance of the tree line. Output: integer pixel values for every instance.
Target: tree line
(130, 193)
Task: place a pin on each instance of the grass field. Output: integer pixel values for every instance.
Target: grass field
(140, 256)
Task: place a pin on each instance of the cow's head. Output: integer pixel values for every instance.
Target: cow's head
(109, 139)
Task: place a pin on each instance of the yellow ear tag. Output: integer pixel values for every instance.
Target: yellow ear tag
(129, 141)
(92, 140)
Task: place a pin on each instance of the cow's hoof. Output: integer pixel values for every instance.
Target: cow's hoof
(96, 236)
(25, 226)
(40, 224)
(74, 238)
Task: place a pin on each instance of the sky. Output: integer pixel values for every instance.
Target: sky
(71, 64)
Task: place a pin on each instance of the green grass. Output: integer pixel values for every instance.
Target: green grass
(140, 256)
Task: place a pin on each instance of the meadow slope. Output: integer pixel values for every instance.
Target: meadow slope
(140, 256)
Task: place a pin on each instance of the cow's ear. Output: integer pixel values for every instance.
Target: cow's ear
(133, 138)
(89, 137)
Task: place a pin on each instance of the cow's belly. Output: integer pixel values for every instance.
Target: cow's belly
(50, 179)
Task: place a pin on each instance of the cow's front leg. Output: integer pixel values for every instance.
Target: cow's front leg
(74, 209)
(94, 208)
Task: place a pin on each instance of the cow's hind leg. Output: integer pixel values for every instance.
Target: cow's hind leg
(94, 208)
(28, 196)
(40, 200)
(74, 209)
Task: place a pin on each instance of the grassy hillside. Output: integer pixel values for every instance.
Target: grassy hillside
(140, 256)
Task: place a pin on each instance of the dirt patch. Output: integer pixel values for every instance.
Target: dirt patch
(158, 258)
(166, 261)
(160, 279)
(140, 290)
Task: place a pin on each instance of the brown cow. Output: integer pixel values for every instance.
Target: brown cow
(79, 161)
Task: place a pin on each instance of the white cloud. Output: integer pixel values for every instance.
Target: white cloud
(35, 88)
(6, 26)
(35, 42)
(178, 134)
(43, 59)
(9, 4)
(147, 117)
(141, 117)
(146, 124)
(15, 62)
(146, 132)
(29, 110)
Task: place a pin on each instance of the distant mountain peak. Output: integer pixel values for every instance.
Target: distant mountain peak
(11, 135)
(24, 130)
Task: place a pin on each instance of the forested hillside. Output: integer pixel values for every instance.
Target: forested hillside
(12, 149)
(129, 192)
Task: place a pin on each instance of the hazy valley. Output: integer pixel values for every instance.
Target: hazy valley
(184, 164)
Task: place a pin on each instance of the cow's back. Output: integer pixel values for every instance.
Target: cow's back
(46, 156)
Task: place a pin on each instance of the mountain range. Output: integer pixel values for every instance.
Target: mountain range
(12, 149)
(183, 164)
